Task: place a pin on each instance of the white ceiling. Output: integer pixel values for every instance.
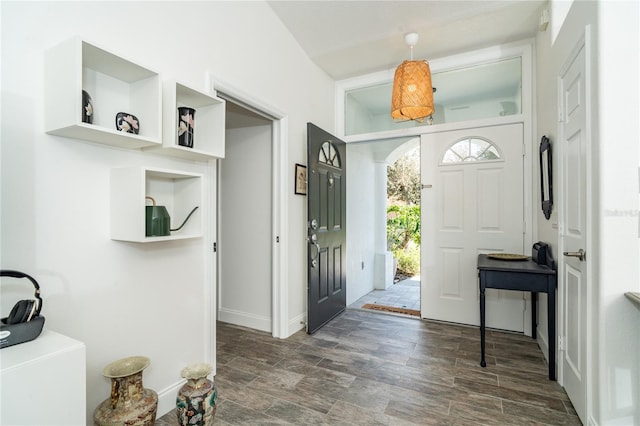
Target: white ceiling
(356, 37)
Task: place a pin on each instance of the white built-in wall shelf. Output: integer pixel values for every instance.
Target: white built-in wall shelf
(115, 85)
(178, 191)
(209, 122)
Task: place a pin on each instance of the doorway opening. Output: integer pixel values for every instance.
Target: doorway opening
(244, 237)
(250, 234)
(399, 291)
(466, 207)
(403, 215)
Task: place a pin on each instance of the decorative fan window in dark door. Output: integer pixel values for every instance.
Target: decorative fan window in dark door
(329, 155)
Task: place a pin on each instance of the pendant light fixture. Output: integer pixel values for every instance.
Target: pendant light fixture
(412, 97)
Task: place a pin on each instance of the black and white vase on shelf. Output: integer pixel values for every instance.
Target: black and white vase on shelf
(127, 123)
(87, 108)
(186, 125)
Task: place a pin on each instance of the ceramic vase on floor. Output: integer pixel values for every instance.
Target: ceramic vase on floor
(196, 401)
(130, 403)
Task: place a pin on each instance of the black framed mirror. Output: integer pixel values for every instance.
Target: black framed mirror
(546, 177)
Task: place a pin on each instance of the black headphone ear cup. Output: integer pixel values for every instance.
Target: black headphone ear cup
(21, 312)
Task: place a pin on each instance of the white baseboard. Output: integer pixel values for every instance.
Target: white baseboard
(245, 319)
(167, 398)
(543, 342)
(591, 421)
(296, 324)
(257, 322)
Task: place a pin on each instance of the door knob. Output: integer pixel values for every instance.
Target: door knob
(313, 241)
(580, 254)
(314, 257)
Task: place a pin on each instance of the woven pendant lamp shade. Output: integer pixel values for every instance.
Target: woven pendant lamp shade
(412, 97)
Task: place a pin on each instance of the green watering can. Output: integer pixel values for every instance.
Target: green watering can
(158, 221)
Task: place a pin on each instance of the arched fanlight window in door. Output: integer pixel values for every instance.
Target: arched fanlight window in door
(329, 155)
(469, 150)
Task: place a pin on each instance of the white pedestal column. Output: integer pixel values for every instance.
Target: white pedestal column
(385, 271)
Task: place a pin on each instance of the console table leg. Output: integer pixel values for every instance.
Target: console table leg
(551, 331)
(534, 314)
(483, 363)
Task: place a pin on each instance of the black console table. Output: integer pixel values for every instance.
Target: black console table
(523, 275)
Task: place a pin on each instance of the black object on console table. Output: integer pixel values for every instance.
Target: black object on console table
(522, 275)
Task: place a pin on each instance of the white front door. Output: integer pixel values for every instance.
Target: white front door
(573, 231)
(472, 203)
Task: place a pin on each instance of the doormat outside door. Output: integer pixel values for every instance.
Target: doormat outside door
(393, 309)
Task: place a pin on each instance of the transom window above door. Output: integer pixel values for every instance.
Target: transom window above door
(486, 90)
(471, 149)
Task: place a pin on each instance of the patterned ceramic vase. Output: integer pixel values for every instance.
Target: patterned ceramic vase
(130, 403)
(127, 123)
(196, 401)
(186, 125)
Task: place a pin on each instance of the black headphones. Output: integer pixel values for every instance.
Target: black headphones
(24, 310)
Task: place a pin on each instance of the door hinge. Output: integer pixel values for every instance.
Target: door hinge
(561, 343)
(215, 247)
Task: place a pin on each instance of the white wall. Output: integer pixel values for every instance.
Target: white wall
(547, 66)
(615, 343)
(361, 195)
(617, 216)
(357, 118)
(550, 58)
(479, 109)
(120, 298)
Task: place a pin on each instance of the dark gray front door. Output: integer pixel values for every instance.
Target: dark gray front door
(326, 221)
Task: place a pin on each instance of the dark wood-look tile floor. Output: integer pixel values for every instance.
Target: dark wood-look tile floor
(369, 368)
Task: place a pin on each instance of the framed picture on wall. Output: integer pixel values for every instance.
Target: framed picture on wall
(301, 179)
